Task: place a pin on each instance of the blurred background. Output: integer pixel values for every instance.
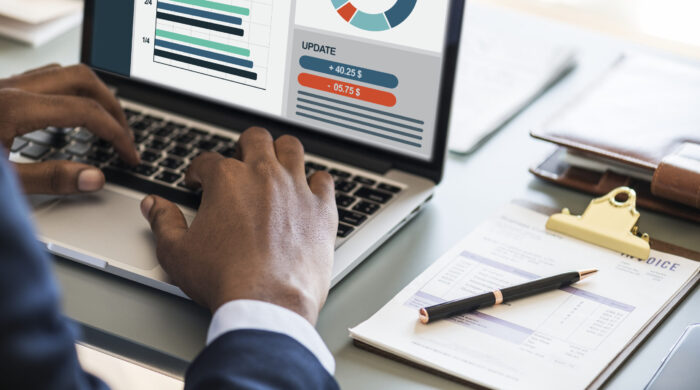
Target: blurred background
(669, 24)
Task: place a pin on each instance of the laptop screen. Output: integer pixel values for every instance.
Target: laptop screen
(365, 70)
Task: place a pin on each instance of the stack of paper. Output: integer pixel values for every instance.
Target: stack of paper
(38, 21)
(500, 72)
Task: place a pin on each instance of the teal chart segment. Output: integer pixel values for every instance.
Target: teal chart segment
(383, 21)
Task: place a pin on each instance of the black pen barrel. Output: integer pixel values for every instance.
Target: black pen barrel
(459, 306)
(539, 286)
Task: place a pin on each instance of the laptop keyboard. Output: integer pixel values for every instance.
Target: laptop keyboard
(168, 147)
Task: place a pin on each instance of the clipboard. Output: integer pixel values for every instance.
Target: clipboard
(630, 348)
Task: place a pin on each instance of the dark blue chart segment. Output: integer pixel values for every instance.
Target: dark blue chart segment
(350, 72)
(400, 12)
(204, 53)
(200, 13)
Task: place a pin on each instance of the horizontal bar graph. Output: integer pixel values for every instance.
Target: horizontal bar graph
(353, 91)
(200, 23)
(212, 37)
(333, 68)
(216, 6)
(363, 108)
(200, 13)
(361, 115)
(204, 53)
(358, 129)
(203, 42)
(358, 118)
(206, 64)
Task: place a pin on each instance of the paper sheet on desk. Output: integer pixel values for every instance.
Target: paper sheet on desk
(499, 73)
(121, 374)
(560, 339)
(38, 21)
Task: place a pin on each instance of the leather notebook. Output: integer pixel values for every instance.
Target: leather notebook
(639, 126)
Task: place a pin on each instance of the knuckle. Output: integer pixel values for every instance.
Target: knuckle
(288, 143)
(59, 177)
(265, 168)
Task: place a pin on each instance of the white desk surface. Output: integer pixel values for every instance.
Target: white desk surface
(475, 186)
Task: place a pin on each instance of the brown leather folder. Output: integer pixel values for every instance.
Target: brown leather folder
(643, 116)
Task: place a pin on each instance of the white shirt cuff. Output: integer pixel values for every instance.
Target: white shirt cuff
(259, 315)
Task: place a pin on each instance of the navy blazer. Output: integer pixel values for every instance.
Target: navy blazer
(37, 344)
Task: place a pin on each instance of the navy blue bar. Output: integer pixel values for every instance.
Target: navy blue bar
(204, 53)
(420, 122)
(349, 127)
(200, 23)
(359, 122)
(206, 64)
(374, 118)
(200, 13)
(351, 72)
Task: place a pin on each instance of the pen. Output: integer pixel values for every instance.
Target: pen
(496, 297)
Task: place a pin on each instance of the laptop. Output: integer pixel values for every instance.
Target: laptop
(366, 85)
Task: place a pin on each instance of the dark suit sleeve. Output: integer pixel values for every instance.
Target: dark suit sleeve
(37, 346)
(257, 359)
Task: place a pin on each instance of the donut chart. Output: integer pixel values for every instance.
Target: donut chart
(383, 21)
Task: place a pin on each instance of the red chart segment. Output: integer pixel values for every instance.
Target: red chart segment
(349, 90)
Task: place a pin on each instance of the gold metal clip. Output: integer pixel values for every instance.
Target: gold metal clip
(607, 223)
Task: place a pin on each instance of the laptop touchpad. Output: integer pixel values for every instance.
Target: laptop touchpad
(107, 226)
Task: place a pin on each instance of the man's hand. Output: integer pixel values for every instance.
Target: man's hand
(262, 231)
(62, 97)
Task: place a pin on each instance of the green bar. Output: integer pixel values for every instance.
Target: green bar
(216, 6)
(203, 42)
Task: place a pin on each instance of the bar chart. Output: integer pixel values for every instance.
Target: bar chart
(226, 39)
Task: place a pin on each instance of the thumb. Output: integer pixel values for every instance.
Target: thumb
(167, 221)
(60, 178)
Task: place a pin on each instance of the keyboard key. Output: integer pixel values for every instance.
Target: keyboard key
(153, 119)
(344, 200)
(157, 145)
(339, 173)
(180, 151)
(18, 144)
(373, 195)
(59, 156)
(39, 137)
(59, 130)
(345, 186)
(150, 156)
(221, 138)
(119, 164)
(145, 170)
(78, 149)
(364, 180)
(171, 163)
(344, 230)
(207, 145)
(131, 113)
(315, 167)
(102, 144)
(389, 187)
(164, 132)
(45, 138)
(35, 151)
(197, 132)
(83, 135)
(351, 217)
(139, 138)
(228, 152)
(366, 207)
(100, 156)
(141, 125)
(168, 177)
(185, 138)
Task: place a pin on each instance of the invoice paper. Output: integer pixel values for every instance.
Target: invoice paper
(560, 339)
